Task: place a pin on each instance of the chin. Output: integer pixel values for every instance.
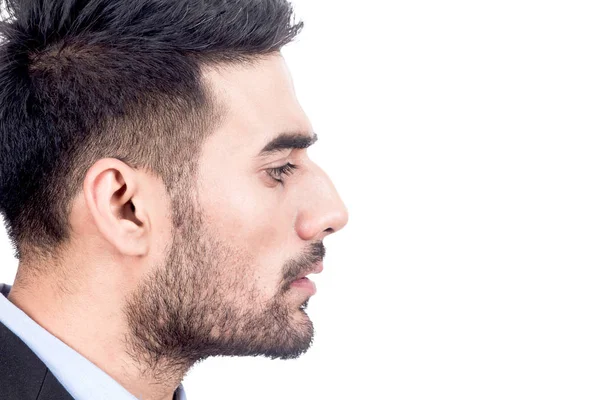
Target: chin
(299, 347)
(301, 320)
(300, 338)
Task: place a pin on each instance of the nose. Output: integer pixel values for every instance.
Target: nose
(322, 211)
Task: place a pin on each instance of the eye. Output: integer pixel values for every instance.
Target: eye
(278, 173)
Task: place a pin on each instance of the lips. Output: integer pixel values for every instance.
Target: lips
(305, 285)
(317, 268)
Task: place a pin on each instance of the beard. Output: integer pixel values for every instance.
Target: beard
(201, 302)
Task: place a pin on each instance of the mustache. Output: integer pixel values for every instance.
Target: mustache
(304, 264)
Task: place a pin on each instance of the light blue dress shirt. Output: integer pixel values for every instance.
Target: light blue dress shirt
(82, 378)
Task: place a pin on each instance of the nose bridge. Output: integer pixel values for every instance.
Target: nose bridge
(322, 209)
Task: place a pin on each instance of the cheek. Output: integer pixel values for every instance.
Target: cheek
(250, 222)
(244, 209)
(247, 216)
(244, 212)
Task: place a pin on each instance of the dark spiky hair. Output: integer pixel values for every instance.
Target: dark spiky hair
(84, 80)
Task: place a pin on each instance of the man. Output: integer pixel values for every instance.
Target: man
(155, 184)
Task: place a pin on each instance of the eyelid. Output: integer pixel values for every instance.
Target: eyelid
(277, 173)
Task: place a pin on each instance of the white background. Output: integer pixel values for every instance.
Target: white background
(463, 137)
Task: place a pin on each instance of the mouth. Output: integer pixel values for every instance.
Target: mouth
(305, 284)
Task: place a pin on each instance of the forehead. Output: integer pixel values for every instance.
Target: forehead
(259, 102)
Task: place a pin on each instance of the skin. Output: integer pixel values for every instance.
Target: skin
(144, 297)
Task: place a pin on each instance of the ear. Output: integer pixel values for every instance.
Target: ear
(112, 194)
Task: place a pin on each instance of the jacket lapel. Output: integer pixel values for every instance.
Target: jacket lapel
(23, 375)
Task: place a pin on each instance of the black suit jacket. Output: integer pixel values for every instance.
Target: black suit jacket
(23, 376)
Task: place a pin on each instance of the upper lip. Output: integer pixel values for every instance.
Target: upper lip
(316, 269)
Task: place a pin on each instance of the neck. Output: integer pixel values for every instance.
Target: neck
(88, 318)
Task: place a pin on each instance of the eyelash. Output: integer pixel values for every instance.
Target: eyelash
(276, 173)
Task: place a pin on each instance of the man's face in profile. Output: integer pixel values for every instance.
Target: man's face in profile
(242, 233)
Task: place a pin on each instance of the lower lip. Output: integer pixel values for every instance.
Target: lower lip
(305, 284)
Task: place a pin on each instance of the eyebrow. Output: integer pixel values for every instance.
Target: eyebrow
(286, 141)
